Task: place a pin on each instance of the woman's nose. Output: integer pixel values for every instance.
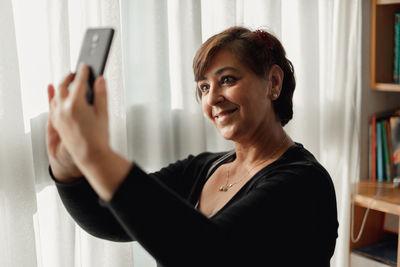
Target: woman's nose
(215, 95)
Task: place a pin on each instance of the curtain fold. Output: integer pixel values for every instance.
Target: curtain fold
(148, 99)
(43, 39)
(341, 111)
(154, 117)
(300, 38)
(17, 193)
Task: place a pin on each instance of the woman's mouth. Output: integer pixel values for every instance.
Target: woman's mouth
(225, 114)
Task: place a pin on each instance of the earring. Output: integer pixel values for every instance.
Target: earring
(274, 95)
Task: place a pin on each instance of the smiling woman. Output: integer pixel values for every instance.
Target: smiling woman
(231, 90)
(208, 203)
(258, 51)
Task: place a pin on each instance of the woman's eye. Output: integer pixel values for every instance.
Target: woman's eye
(228, 80)
(204, 88)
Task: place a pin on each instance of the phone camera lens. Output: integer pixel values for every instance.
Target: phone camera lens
(95, 38)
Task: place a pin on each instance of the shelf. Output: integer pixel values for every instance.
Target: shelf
(380, 197)
(387, 87)
(387, 2)
(382, 44)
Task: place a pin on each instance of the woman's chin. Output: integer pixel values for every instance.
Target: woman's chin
(227, 134)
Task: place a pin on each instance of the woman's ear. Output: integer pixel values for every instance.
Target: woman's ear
(275, 76)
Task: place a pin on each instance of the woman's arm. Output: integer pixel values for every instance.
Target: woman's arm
(84, 206)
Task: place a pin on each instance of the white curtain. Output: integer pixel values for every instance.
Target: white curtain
(40, 44)
(155, 118)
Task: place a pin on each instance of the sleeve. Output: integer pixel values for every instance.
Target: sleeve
(252, 230)
(84, 205)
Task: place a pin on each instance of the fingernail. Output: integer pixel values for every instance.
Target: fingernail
(81, 67)
(100, 82)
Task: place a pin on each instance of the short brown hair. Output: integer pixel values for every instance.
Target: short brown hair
(258, 50)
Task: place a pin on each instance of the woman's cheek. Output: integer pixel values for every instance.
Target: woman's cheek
(206, 108)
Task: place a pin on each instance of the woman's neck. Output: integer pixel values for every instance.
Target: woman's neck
(262, 149)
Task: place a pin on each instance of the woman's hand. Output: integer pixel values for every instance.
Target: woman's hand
(63, 167)
(83, 128)
(78, 135)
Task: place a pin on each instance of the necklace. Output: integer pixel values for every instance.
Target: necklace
(228, 185)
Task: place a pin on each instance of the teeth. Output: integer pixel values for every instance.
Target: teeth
(225, 113)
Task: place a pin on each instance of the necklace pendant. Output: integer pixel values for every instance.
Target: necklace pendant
(223, 188)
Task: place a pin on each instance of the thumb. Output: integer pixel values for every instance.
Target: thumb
(100, 100)
(80, 83)
(50, 92)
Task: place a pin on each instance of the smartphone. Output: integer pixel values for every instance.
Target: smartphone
(94, 52)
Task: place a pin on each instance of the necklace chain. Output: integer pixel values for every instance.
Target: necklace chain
(228, 185)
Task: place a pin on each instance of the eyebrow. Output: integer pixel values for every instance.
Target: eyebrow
(220, 71)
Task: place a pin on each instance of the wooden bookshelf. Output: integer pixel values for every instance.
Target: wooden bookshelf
(381, 198)
(382, 44)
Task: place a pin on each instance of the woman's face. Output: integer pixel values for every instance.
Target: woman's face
(235, 99)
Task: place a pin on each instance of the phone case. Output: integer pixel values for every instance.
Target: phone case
(94, 52)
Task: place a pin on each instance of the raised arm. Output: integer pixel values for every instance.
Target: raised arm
(85, 206)
(82, 203)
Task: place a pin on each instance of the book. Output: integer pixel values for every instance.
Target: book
(379, 154)
(384, 251)
(396, 56)
(389, 147)
(384, 146)
(395, 141)
(385, 160)
(373, 149)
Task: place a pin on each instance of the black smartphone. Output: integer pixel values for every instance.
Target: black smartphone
(94, 52)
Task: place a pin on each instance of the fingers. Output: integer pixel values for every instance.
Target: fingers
(52, 137)
(63, 87)
(50, 92)
(56, 98)
(80, 83)
(100, 101)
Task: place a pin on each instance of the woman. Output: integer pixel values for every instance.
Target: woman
(267, 203)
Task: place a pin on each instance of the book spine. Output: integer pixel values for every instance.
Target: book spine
(397, 21)
(379, 154)
(386, 164)
(373, 148)
(396, 48)
(370, 151)
(389, 146)
(395, 132)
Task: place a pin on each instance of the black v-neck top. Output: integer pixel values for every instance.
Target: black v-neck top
(285, 215)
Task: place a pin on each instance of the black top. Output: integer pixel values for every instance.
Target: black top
(285, 215)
